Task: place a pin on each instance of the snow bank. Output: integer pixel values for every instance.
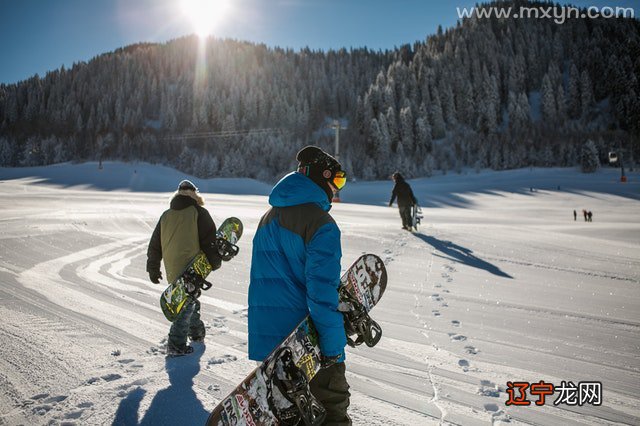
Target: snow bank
(441, 190)
(454, 189)
(138, 177)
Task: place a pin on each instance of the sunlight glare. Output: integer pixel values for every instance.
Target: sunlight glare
(204, 14)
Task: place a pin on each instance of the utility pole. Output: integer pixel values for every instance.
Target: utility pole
(623, 178)
(336, 126)
(616, 157)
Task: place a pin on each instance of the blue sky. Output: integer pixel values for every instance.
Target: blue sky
(41, 35)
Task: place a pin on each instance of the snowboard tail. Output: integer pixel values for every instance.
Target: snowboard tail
(193, 279)
(277, 392)
(361, 287)
(416, 216)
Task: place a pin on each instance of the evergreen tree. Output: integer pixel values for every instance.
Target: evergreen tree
(586, 93)
(436, 117)
(392, 125)
(589, 159)
(406, 129)
(518, 110)
(448, 105)
(423, 138)
(548, 106)
(574, 107)
(466, 105)
(488, 105)
(561, 105)
(6, 153)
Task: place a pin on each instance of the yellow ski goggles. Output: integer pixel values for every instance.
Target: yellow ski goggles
(339, 179)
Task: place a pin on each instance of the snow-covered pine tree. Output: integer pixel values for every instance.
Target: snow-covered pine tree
(574, 108)
(548, 105)
(406, 130)
(436, 118)
(392, 125)
(561, 105)
(589, 159)
(423, 139)
(6, 152)
(586, 93)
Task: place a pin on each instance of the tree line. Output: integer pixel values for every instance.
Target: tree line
(498, 93)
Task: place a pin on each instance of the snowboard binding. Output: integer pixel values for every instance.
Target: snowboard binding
(194, 283)
(226, 249)
(294, 387)
(358, 322)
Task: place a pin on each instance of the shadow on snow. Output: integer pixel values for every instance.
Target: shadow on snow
(462, 255)
(174, 405)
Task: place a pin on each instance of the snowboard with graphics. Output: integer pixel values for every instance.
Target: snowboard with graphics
(277, 392)
(192, 279)
(416, 216)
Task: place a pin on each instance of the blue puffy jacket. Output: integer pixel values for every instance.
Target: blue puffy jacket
(295, 269)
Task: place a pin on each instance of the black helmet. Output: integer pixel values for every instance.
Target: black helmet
(321, 168)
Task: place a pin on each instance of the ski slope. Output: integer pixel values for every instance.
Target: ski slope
(499, 285)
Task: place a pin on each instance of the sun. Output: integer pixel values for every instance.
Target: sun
(204, 14)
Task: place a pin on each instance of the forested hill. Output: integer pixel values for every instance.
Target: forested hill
(505, 93)
(130, 103)
(500, 93)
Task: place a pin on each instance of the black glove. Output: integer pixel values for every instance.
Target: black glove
(328, 361)
(155, 276)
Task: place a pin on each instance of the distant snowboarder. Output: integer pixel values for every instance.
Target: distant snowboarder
(406, 199)
(584, 213)
(182, 231)
(589, 216)
(575, 215)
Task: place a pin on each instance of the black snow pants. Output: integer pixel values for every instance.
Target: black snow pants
(332, 390)
(405, 214)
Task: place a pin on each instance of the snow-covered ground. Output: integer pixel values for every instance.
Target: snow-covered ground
(499, 285)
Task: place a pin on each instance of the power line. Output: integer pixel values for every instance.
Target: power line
(226, 134)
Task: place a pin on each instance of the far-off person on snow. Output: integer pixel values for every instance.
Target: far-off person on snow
(406, 199)
(182, 231)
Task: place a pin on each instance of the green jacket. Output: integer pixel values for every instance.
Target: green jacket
(182, 231)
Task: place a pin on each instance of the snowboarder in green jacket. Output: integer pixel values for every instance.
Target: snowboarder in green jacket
(182, 231)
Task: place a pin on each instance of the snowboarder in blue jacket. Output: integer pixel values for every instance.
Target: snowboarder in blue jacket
(295, 272)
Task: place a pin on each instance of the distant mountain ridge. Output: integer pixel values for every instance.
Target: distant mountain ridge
(499, 93)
